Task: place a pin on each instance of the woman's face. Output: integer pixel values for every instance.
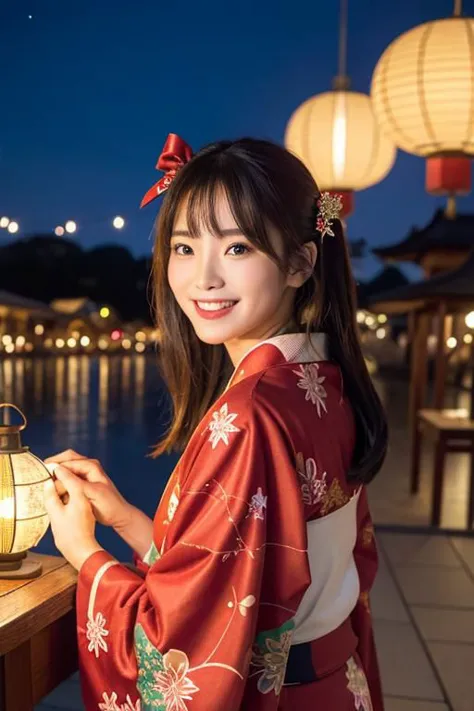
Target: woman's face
(231, 292)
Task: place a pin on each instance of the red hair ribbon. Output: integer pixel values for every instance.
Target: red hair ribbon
(174, 155)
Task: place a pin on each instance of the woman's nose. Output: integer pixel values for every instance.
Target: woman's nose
(208, 276)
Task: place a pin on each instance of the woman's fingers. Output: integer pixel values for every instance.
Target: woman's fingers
(60, 488)
(52, 501)
(88, 469)
(62, 457)
(70, 482)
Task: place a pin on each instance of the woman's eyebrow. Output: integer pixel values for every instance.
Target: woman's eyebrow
(232, 232)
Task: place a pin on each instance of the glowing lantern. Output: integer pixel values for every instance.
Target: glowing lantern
(422, 96)
(336, 136)
(23, 518)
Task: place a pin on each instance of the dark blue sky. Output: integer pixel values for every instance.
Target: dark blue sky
(91, 88)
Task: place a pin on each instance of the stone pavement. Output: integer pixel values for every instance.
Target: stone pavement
(423, 607)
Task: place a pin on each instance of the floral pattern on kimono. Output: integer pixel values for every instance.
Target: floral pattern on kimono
(258, 505)
(368, 535)
(312, 383)
(270, 656)
(173, 504)
(209, 627)
(221, 426)
(109, 703)
(313, 486)
(334, 498)
(364, 600)
(96, 633)
(162, 679)
(357, 685)
(241, 525)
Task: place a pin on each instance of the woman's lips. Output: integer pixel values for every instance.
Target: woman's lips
(216, 312)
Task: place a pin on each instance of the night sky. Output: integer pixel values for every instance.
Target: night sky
(91, 88)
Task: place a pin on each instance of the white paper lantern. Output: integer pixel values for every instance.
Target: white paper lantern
(336, 136)
(422, 93)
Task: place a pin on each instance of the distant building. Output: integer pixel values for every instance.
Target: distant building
(84, 314)
(79, 307)
(443, 244)
(19, 315)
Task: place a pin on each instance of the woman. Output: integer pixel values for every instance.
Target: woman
(256, 571)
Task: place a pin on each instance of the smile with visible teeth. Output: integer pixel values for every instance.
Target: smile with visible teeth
(215, 305)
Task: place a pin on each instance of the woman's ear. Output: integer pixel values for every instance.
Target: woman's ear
(306, 263)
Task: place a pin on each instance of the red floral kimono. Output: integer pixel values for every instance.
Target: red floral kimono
(255, 592)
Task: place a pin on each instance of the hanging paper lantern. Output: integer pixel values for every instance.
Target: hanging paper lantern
(336, 136)
(422, 93)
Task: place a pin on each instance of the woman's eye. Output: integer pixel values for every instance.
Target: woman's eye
(237, 250)
(184, 250)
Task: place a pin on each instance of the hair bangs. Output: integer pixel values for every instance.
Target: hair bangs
(210, 177)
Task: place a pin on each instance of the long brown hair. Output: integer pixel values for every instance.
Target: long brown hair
(265, 186)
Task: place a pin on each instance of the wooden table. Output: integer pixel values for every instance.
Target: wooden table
(38, 648)
(452, 431)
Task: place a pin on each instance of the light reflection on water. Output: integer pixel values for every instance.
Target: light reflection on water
(106, 407)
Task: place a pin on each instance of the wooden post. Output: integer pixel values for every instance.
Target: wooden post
(418, 380)
(438, 480)
(471, 359)
(470, 491)
(18, 692)
(441, 356)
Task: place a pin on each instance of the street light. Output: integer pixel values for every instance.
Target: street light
(469, 320)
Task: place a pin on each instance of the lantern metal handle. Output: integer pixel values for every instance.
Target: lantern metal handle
(18, 428)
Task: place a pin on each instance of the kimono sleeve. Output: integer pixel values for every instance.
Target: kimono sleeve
(366, 559)
(218, 603)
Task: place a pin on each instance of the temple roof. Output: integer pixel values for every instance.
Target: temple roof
(388, 279)
(453, 286)
(15, 301)
(442, 233)
(73, 307)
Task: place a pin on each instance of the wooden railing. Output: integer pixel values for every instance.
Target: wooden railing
(38, 648)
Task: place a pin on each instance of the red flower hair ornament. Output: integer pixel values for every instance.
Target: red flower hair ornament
(329, 209)
(174, 155)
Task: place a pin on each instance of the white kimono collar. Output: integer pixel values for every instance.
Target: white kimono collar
(286, 348)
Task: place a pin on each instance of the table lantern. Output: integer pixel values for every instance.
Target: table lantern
(23, 517)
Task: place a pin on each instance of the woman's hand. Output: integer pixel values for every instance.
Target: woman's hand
(72, 524)
(108, 505)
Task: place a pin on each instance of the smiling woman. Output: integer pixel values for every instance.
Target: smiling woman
(261, 556)
(232, 293)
